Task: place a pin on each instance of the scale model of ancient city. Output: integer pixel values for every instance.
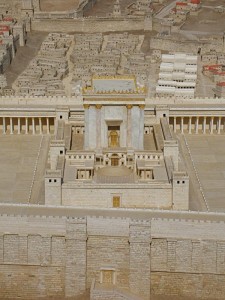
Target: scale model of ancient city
(112, 149)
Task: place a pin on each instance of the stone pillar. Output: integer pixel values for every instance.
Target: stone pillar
(48, 130)
(33, 126)
(211, 125)
(98, 129)
(141, 127)
(196, 125)
(40, 125)
(182, 124)
(129, 143)
(18, 128)
(26, 126)
(11, 126)
(76, 262)
(204, 125)
(174, 124)
(219, 125)
(3, 126)
(189, 125)
(86, 122)
(140, 270)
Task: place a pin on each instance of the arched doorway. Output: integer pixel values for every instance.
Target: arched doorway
(114, 160)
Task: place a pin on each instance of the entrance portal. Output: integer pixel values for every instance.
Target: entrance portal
(113, 134)
(114, 160)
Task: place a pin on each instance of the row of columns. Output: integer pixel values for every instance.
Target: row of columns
(197, 124)
(26, 125)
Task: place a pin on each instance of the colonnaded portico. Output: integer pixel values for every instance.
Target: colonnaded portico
(198, 124)
(27, 125)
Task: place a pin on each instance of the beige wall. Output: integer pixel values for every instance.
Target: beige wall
(131, 197)
(164, 253)
(88, 25)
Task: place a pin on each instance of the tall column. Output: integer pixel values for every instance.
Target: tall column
(211, 125)
(174, 124)
(26, 126)
(129, 107)
(18, 127)
(98, 108)
(141, 127)
(33, 126)
(182, 124)
(86, 133)
(196, 125)
(189, 125)
(48, 130)
(11, 126)
(40, 125)
(3, 126)
(204, 125)
(219, 125)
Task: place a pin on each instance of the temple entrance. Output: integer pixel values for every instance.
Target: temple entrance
(114, 160)
(113, 134)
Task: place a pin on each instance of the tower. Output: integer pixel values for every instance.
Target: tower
(27, 8)
(117, 9)
(148, 23)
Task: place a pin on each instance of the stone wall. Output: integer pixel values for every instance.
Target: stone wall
(89, 25)
(149, 195)
(78, 101)
(49, 251)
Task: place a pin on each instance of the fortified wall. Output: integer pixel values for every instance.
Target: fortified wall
(88, 25)
(49, 251)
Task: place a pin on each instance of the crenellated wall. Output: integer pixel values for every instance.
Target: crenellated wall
(49, 251)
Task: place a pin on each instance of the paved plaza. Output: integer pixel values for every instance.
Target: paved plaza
(22, 164)
(208, 153)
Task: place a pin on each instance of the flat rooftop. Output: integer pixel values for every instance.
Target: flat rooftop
(19, 155)
(118, 85)
(208, 154)
(58, 5)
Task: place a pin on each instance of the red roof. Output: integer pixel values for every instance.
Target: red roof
(195, 1)
(181, 3)
(7, 19)
(221, 83)
(212, 67)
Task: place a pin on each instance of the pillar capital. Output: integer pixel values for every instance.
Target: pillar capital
(98, 106)
(86, 106)
(129, 106)
(141, 106)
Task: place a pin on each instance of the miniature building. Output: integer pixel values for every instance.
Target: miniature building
(115, 153)
(178, 75)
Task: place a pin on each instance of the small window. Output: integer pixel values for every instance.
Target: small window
(61, 151)
(164, 115)
(49, 180)
(178, 182)
(55, 180)
(60, 116)
(183, 181)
